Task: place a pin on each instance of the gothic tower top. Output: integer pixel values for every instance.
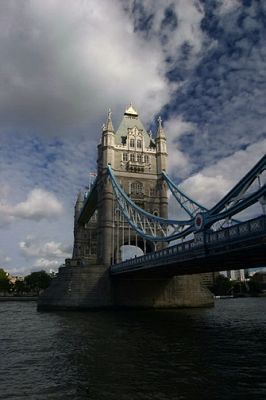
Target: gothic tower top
(131, 148)
(130, 111)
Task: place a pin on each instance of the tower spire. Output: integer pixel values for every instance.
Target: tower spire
(160, 131)
(109, 124)
(79, 197)
(161, 147)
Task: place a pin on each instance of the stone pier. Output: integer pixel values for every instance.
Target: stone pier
(91, 287)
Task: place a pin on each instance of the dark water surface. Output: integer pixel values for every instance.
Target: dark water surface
(194, 354)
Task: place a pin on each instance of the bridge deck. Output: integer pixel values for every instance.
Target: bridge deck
(239, 246)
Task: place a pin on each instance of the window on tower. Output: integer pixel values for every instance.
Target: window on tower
(146, 158)
(136, 188)
(132, 143)
(125, 157)
(139, 144)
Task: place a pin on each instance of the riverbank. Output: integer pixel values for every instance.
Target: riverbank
(18, 298)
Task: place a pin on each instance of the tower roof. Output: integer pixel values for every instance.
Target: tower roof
(131, 120)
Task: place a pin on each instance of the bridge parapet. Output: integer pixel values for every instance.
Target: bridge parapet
(240, 230)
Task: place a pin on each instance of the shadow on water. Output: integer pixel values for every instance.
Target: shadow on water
(169, 354)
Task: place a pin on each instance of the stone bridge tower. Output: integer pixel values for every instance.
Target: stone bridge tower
(137, 160)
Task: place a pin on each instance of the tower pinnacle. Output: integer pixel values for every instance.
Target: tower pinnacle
(109, 124)
(160, 131)
(79, 197)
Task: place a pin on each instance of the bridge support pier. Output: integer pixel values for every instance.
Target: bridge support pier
(78, 287)
(90, 287)
(176, 292)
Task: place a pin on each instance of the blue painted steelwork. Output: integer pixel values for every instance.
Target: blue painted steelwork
(236, 193)
(148, 226)
(189, 205)
(193, 248)
(90, 204)
(234, 202)
(238, 198)
(158, 229)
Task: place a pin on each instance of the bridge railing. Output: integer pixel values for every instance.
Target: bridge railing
(237, 231)
(201, 241)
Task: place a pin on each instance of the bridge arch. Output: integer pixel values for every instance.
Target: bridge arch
(132, 247)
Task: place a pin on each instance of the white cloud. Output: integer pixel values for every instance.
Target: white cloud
(173, 25)
(47, 264)
(31, 247)
(176, 127)
(40, 204)
(60, 72)
(4, 259)
(178, 162)
(227, 6)
(41, 254)
(213, 182)
(206, 189)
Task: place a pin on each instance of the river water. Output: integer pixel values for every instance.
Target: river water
(194, 354)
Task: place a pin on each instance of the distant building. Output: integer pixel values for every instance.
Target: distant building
(14, 279)
(236, 275)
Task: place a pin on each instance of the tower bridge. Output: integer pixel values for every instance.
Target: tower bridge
(127, 207)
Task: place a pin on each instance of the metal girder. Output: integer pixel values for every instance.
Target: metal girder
(157, 229)
(238, 199)
(242, 196)
(90, 205)
(147, 225)
(191, 207)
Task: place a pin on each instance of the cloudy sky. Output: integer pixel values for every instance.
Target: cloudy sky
(200, 64)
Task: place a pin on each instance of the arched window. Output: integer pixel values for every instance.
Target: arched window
(136, 188)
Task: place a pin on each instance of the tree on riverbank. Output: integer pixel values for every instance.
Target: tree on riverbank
(222, 286)
(37, 281)
(31, 285)
(4, 282)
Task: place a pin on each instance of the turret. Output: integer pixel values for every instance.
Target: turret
(78, 229)
(108, 141)
(161, 149)
(79, 205)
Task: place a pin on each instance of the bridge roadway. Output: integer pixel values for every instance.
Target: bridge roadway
(239, 246)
